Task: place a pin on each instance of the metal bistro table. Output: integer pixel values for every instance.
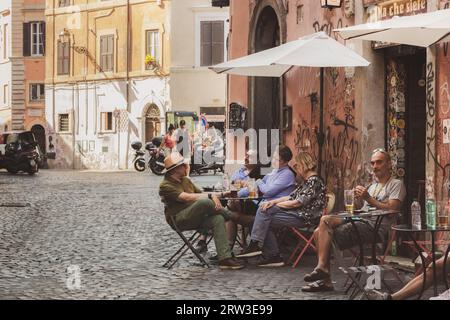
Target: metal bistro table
(378, 215)
(243, 201)
(410, 232)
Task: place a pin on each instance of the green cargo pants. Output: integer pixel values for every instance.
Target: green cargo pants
(203, 215)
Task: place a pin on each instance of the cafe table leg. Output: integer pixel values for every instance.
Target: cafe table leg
(375, 235)
(433, 255)
(243, 232)
(424, 268)
(444, 270)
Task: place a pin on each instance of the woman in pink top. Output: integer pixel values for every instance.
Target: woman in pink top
(169, 141)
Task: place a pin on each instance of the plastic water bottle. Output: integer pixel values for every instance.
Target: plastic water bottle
(416, 220)
(431, 213)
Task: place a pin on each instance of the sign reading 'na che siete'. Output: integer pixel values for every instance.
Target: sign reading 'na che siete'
(387, 10)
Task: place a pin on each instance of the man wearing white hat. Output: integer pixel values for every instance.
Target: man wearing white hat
(195, 210)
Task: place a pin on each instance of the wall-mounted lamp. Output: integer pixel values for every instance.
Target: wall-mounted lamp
(330, 4)
(64, 37)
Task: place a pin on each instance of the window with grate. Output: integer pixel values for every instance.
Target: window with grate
(63, 122)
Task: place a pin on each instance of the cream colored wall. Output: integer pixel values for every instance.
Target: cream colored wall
(192, 86)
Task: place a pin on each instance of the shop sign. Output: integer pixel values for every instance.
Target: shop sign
(389, 9)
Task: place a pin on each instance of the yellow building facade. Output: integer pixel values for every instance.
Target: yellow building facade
(107, 71)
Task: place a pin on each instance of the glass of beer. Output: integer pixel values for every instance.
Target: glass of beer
(349, 199)
(251, 185)
(443, 212)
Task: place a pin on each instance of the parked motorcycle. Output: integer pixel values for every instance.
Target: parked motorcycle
(19, 152)
(156, 160)
(206, 159)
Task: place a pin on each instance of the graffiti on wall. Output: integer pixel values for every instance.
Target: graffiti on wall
(328, 27)
(342, 146)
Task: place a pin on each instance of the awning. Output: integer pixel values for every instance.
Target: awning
(421, 30)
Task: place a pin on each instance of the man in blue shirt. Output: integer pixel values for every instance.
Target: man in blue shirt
(279, 183)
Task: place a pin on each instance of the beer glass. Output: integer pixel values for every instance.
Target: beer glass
(349, 199)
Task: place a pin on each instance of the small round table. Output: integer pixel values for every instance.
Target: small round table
(378, 216)
(410, 232)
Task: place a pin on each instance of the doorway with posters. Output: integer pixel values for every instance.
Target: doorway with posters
(406, 118)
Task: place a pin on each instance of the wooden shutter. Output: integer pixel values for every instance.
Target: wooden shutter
(27, 39)
(205, 43)
(217, 42)
(110, 56)
(102, 53)
(107, 52)
(66, 57)
(43, 38)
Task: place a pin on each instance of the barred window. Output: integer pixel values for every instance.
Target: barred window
(63, 122)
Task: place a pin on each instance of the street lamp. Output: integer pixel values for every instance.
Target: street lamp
(330, 4)
(64, 37)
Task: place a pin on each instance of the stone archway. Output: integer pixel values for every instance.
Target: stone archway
(267, 30)
(152, 122)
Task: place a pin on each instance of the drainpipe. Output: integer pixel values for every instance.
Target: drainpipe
(128, 80)
(53, 69)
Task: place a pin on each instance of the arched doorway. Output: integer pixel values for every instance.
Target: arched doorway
(39, 134)
(266, 93)
(152, 122)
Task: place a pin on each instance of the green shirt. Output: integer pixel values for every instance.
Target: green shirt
(170, 190)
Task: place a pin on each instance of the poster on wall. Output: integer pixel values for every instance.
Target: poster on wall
(446, 130)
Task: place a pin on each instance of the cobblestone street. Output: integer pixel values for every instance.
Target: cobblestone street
(111, 225)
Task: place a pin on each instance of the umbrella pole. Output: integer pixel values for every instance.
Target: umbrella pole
(320, 134)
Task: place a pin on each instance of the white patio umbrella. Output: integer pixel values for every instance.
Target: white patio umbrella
(421, 30)
(315, 50)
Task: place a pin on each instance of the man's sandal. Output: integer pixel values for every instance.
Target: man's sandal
(317, 274)
(318, 286)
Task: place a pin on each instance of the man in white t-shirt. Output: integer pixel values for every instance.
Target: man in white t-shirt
(183, 141)
(385, 193)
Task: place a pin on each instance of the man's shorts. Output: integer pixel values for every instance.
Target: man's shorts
(346, 237)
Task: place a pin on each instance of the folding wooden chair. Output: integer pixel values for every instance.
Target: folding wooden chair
(188, 244)
(305, 236)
